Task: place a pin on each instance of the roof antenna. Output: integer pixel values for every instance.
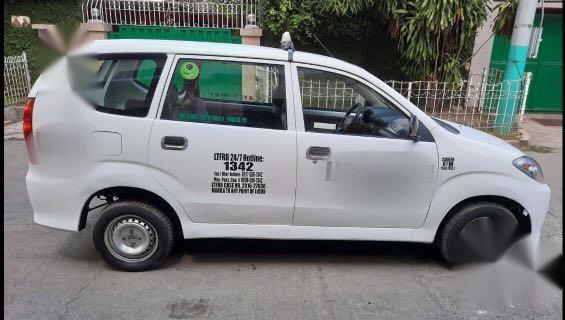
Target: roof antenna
(286, 44)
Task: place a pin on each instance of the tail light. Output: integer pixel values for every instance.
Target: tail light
(28, 129)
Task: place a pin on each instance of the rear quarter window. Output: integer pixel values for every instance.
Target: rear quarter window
(118, 84)
(146, 71)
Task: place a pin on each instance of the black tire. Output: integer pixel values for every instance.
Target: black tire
(460, 240)
(127, 219)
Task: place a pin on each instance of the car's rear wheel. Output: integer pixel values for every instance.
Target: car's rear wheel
(133, 236)
(480, 232)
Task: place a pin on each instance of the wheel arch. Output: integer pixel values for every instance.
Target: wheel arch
(524, 223)
(126, 192)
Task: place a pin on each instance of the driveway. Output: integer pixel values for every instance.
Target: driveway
(52, 274)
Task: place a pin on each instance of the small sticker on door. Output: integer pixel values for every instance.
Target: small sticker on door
(447, 163)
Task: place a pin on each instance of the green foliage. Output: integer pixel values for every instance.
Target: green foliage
(504, 22)
(300, 18)
(65, 13)
(395, 39)
(359, 38)
(306, 18)
(433, 36)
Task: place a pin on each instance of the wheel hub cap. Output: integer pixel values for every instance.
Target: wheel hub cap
(131, 238)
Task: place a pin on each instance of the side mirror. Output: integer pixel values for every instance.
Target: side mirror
(413, 128)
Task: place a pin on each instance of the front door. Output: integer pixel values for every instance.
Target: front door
(357, 167)
(226, 151)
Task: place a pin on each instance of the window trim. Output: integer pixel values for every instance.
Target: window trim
(289, 87)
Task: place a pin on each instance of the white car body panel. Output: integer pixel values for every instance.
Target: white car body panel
(82, 151)
(368, 182)
(188, 174)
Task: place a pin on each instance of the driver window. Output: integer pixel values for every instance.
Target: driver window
(332, 103)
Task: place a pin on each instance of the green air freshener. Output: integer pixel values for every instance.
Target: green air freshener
(189, 70)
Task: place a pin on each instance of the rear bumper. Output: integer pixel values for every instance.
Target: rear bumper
(56, 203)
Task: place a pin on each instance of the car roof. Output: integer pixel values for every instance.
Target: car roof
(211, 49)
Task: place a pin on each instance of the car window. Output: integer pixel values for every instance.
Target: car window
(144, 74)
(227, 93)
(336, 104)
(117, 84)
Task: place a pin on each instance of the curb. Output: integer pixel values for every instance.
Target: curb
(515, 143)
(522, 141)
(13, 114)
(524, 138)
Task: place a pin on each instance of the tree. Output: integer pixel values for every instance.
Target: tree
(358, 38)
(434, 36)
(504, 22)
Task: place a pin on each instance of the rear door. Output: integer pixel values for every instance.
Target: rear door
(227, 149)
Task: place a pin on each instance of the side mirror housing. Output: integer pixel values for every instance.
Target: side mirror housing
(414, 127)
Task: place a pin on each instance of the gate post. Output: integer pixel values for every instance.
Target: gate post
(90, 31)
(250, 35)
(517, 54)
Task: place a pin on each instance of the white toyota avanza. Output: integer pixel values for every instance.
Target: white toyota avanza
(180, 140)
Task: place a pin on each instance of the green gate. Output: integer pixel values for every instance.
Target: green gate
(226, 87)
(546, 89)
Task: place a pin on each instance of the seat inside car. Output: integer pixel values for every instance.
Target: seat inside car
(123, 92)
(279, 105)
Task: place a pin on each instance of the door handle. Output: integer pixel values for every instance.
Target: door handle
(174, 143)
(318, 153)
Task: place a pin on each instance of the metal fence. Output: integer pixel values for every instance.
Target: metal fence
(16, 79)
(479, 102)
(230, 14)
(266, 79)
(327, 94)
(485, 101)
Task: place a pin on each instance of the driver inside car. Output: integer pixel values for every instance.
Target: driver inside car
(379, 121)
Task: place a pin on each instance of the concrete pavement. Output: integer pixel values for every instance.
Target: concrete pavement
(540, 135)
(13, 131)
(552, 166)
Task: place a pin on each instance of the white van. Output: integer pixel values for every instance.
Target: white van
(182, 140)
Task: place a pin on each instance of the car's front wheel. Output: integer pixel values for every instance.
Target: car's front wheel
(133, 236)
(479, 232)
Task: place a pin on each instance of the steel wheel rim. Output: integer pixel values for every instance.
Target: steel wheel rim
(131, 238)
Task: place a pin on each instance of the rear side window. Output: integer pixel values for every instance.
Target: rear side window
(227, 93)
(145, 73)
(119, 84)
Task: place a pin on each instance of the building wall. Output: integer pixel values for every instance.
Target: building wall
(546, 94)
(546, 88)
